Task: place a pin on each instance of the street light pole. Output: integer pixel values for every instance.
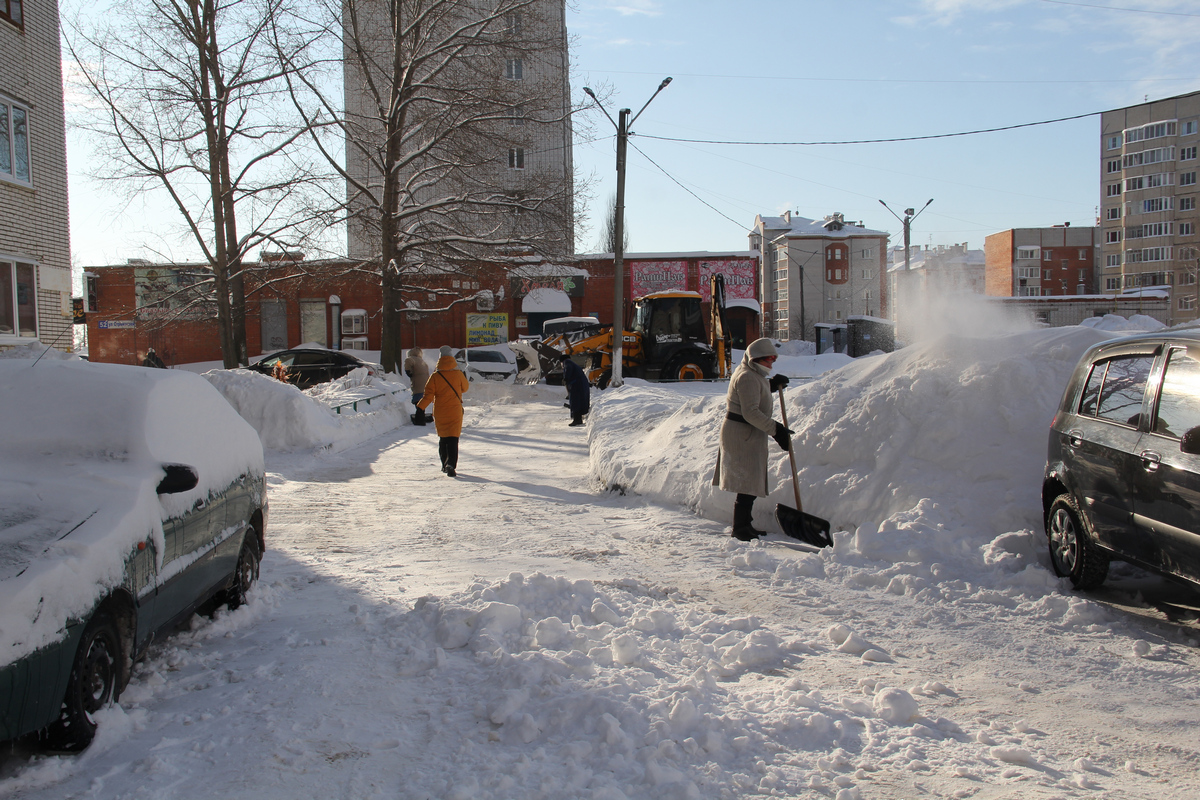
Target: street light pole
(909, 216)
(622, 127)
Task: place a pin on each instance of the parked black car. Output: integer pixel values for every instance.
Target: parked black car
(1122, 477)
(307, 366)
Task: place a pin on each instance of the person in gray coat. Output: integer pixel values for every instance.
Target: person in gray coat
(418, 373)
(742, 457)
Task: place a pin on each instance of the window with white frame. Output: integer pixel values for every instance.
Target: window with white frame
(1112, 284)
(1113, 260)
(1083, 255)
(1187, 302)
(1155, 130)
(1187, 203)
(1187, 278)
(1112, 237)
(1113, 213)
(14, 12)
(1047, 255)
(1113, 189)
(514, 70)
(1133, 184)
(1186, 228)
(867, 275)
(867, 254)
(512, 24)
(516, 158)
(354, 322)
(18, 300)
(1114, 142)
(1157, 204)
(1187, 128)
(14, 142)
(1027, 272)
(1155, 156)
(1027, 252)
(1187, 153)
(1114, 165)
(1187, 179)
(1047, 274)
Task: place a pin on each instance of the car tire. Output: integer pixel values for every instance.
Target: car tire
(93, 684)
(1073, 554)
(245, 574)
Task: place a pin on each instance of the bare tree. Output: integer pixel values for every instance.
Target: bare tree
(608, 236)
(455, 123)
(187, 98)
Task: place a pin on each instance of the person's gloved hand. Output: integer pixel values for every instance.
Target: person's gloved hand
(783, 436)
(778, 382)
(408, 372)
(419, 418)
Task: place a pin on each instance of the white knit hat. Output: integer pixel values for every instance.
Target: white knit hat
(445, 351)
(761, 348)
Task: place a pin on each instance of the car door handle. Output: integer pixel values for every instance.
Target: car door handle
(1150, 460)
(1075, 437)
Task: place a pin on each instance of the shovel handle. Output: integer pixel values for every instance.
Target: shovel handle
(791, 453)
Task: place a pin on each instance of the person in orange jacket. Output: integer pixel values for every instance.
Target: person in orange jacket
(445, 389)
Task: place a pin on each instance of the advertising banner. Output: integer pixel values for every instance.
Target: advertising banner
(739, 278)
(572, 285)
(646, 277)
(486, 329)
(161, 291)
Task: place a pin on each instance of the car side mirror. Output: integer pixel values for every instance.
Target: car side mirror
(178, 478)
(1190, 443)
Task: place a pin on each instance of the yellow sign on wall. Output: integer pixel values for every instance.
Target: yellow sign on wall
(486, 329)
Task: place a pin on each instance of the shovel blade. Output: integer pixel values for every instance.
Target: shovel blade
(802, 526)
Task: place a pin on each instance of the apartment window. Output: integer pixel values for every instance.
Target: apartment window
(867, 253)
(1133, 184)
(1082, 275)
(1114, 142)
(1114, 189)
(866, 274)
(1047, 274)
(781, 275)
(1187, 302)
(1113, 260)
(1187, 278)
(516, 158)
(518, 116)
(1111, 285)
(1047, 255)
(1114, 166)
(1187, 204)
(1027, 252)
(1114, 213)
(1083, 255)
(1130, 281)
(1186, 229)
(1187, 153)
(867, 295)
(512, 24)
(14, 142)
(513, 69)
(1157, 204)
(1155, 156)
(781, 255)
(1187, 179)
(18, 300)
(1187, 128)
(1027, 272)
(12, 10)
(1112, 237)
(1155, 130)
(354, 322)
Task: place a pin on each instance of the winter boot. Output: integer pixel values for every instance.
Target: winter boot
(576, 421)
(743, 525)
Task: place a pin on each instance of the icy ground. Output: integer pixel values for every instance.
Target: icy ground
(526, 631)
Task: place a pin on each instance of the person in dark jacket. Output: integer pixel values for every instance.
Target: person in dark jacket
(579, 391)
(742, 457)
(152, 360)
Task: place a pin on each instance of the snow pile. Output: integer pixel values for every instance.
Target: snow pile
(920, 454)
(288, 419)
(1136, 323)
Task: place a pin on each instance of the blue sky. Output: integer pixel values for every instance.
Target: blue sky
(818, 71)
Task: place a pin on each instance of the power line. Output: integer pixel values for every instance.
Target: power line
(1117, 8)
(968, 81)
(877, 141)
(686, 189)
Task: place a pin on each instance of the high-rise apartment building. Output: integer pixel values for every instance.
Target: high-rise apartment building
(485, 145)
(1148, 216)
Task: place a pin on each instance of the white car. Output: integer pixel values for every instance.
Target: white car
(488, 363)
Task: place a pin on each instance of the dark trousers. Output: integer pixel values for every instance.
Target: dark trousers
(448, 451)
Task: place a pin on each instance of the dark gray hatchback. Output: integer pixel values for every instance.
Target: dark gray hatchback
(1122, 477)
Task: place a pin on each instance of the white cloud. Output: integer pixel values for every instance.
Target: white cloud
(629, 8)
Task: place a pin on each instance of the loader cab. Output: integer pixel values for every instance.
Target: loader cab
(671, 328)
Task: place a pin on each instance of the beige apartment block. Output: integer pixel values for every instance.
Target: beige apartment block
(516, 169)
(35, 247)
(1148, 192)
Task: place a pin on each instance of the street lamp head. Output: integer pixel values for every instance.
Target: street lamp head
(588, 91)
(908, 212)
(663, 85)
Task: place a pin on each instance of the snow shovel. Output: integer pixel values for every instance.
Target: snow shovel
(793, 521)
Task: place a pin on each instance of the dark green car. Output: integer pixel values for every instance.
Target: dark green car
(116, 524)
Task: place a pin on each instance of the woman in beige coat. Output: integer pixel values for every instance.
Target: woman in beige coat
(742, 458)
(418, 373)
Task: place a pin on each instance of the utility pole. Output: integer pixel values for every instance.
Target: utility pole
(909, 216)
(619, 227)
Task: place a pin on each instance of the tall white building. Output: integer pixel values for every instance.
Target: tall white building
(514, 160)
(1148, 217)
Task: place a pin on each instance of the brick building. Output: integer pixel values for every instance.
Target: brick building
(35, 247)
(1041, 262)
(290, 302)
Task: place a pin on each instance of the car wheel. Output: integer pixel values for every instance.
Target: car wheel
(1072, 552)
(93, 684)
(246, 573)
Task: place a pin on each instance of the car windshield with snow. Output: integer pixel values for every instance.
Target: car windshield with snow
(492, 365)
(1122, 478)
(129, 498)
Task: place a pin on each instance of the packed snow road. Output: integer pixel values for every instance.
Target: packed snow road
(522, 632)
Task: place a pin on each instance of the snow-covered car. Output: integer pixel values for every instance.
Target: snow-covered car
(487, 363)
(307, 366)
(1122, 478)
(129, 498)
